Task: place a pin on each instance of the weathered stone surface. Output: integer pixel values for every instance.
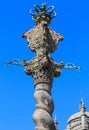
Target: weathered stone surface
(42, 39)
(43, 120)
(43, 69)
(45, 106)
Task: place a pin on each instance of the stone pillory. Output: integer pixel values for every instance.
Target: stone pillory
(42, 67)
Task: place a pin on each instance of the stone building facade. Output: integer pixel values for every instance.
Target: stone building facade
(80, 120)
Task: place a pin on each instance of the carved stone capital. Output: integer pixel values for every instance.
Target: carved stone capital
(43, 69)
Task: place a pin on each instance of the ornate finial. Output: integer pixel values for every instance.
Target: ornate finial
(82, 106)
(56, 122)
(40, 13)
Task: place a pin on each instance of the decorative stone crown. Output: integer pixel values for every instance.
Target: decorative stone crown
(39, 13)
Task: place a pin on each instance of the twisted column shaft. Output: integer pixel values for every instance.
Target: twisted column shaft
(44, 107)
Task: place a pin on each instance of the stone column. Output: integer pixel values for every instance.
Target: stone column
(45, 106)
(42, 67)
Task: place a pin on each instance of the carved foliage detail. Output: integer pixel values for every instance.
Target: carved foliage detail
(43, 69)
(42, 36)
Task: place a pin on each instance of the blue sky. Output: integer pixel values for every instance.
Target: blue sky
(17, 102)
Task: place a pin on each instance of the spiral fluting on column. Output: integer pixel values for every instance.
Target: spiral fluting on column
(44, 107)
